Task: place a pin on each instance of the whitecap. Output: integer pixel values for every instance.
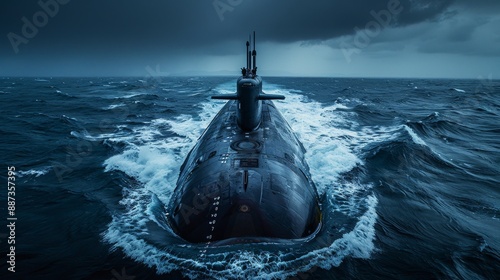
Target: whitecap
(416, 139)
(34, 172)
(69, 118)
(114, 106)
(129, 95)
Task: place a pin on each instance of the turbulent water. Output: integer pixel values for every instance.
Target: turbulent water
(407, 170)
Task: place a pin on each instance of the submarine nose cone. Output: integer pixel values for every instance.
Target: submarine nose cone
(248, 205)
(244, 222)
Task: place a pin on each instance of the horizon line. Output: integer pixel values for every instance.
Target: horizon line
(236, 76)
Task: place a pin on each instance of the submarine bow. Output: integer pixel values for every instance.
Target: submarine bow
(246, 179)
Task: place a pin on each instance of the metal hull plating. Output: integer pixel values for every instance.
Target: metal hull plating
(245, 186)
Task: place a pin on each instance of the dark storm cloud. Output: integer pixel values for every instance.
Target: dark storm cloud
(93, 33)
(124, 26)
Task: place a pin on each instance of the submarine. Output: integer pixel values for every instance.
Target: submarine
(246, 179)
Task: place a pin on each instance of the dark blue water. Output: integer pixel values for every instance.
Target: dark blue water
(408, 172)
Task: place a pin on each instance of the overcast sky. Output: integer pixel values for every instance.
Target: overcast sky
(333, 38)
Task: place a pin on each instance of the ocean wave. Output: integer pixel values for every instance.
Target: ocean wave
(114, 106)
(34, 172)
(391, 204)
(416, 139)
(458, 90)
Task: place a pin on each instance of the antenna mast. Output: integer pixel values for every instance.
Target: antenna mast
(254, 54)
(249, 52)
(248, 55)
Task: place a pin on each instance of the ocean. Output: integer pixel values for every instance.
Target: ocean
(408, 172)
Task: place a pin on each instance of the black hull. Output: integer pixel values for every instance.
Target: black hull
(245, 186)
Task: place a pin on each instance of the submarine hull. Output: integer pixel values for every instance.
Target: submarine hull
(245, 186)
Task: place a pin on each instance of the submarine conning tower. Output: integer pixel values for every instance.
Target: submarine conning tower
(249, 93)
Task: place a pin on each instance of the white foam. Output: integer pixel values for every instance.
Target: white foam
(357, 243)
(332, 138)
(69, 118)
(327, 153)
(33, 172)
(113, 106)
(416, 139)
(459, 90)
(155, 159)
(129, 95)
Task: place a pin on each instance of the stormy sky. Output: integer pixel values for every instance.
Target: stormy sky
(332, 38)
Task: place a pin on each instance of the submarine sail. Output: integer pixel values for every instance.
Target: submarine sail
(246, 179)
